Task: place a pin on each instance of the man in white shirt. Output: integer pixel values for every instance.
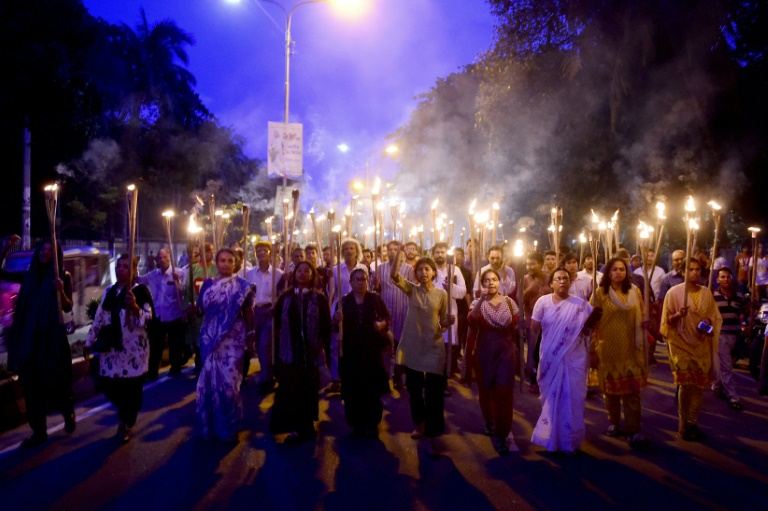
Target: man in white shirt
(508, 284)
(581, 284)
(266, 289)
(457, 292)
(588, 267)
(167, 289)
(655, 273)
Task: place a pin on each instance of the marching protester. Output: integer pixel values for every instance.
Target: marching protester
(733, 307)
(563, 321)
(412, 253)
(691, 323)
(588, 267)
(302, 326)
(618, 350)
(508, 282)
(168, 324)
(462, 308)
(351, 253)
(675, 276)
(581, 284)
(493, 323)
(38, 349)
(457, 290)
(396, 303)
(196, 272)
(119, 339)
(261, 276)
(226, 304)
(365, 338)
(421, 349)
(655, 273)
(534, 287)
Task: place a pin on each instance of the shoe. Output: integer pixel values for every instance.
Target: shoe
(500, 445)
(613, 431)
(692, 433)
(638, 442)
(719, 392)
(34, 441)
(510, 443)
(735, 404)
(69, 423)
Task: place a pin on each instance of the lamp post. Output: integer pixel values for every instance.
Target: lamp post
(288, 16)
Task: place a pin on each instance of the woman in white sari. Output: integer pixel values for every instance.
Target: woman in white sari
(562, 372)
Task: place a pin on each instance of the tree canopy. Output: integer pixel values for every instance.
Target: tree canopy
(601, 104)
(107, 105)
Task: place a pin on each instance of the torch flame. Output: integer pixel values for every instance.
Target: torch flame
(660, 210)
(518, 249)
(714, 205)
(472, 207)
(435, 203)
(690, 204)
(168, 213)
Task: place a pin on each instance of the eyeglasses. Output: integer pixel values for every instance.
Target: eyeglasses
(561, 279)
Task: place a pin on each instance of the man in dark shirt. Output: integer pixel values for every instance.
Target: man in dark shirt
(732, 306)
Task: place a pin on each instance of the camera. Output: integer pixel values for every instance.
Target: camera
(705, 328)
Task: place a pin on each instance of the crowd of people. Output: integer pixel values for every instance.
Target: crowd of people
(399, 320)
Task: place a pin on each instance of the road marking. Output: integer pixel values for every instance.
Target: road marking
(90, 412)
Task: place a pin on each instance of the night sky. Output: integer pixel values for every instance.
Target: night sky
(353, 80)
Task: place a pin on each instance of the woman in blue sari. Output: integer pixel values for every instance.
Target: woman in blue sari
(225, 305)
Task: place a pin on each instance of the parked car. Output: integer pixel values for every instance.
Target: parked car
(90, 270)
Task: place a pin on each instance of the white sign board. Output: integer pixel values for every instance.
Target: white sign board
(285, 144)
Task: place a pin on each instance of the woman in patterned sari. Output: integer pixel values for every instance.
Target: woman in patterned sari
(302, 330)
(225, 305)
(619, 347)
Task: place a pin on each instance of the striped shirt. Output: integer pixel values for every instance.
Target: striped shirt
(395, 300)
(730, 309)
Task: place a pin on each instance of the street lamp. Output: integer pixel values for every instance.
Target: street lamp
(352, 7)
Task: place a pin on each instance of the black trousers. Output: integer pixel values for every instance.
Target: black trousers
(126, 394)
(39, 391)
(175, 333)
(425, 392)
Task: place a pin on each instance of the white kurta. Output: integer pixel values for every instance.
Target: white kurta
(458, 291)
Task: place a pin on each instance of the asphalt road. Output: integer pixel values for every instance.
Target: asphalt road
(166, 467)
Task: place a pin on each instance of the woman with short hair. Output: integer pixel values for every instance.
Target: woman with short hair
(421, 348)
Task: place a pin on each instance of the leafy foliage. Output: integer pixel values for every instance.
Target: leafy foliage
(108, 105)
(604, 104)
